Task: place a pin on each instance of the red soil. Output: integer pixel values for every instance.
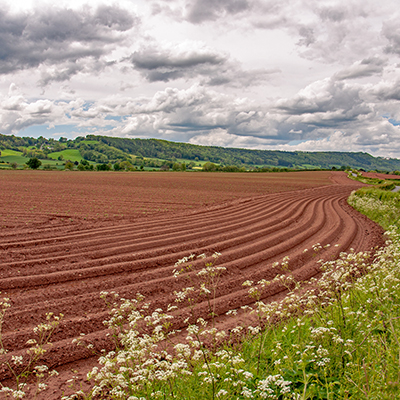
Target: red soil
(87, 233)
(380, 176)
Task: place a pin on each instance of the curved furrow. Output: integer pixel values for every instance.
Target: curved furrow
(227, 265)
(139, 234)
(154, 223)
(148, 228)
(186, 237)
(251, 235)
(174, 259)
(94, 268)
(278, 242)
(246, 238)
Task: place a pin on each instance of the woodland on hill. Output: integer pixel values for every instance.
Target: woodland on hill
(104, 149)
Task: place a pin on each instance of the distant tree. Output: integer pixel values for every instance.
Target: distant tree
(208, 166)
(164, 167)
(69, 165)
(103, 167)
(60, 157)
(14, 165)
(34, 163)
(126, 165)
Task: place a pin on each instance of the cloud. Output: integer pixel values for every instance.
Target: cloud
(165, 62)
(362, 69)
(333, 33)
(247, 73)
(54, 36)
(184, 60)
(326, 115)
(387, 90)
(221, 137)
(198, 11)
(391, 31)
(326, 103)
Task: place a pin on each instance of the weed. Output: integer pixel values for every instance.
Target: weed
(25, 368)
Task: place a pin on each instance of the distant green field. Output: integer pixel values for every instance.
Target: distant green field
(13, 156)
(310, 166)
(187, 161)
(90, 141)
(69, 154)
(53, 163)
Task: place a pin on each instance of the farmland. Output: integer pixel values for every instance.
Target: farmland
(66, 236)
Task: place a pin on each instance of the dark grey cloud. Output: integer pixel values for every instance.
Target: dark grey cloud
(194, 60)
(168, 64)
(364, 68)
(333, 13)
(391, 31)
(52, 35)
(198, 11)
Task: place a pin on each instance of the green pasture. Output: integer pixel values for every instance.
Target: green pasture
(90, 141)
(11, 156)
(69, 154)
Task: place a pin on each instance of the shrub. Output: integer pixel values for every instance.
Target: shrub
(103, 167)
(47, 167)
(69, 165)
(34, 163)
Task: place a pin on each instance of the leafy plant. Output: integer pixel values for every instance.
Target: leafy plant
(34, 163)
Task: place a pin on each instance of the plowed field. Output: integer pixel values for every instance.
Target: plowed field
(379, 176)
(65, 237)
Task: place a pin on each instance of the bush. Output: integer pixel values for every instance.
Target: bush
(69, 165)
(103, 167)
(34, 163)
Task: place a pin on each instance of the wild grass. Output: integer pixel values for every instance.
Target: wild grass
(26, 369)
(378, 204)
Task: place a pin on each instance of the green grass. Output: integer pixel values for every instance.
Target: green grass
(310, 166)
(69, 154)
(90, 141)
(379, 205)
(13, 156)
(378, 202)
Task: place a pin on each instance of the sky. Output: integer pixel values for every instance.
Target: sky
(309, 75)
